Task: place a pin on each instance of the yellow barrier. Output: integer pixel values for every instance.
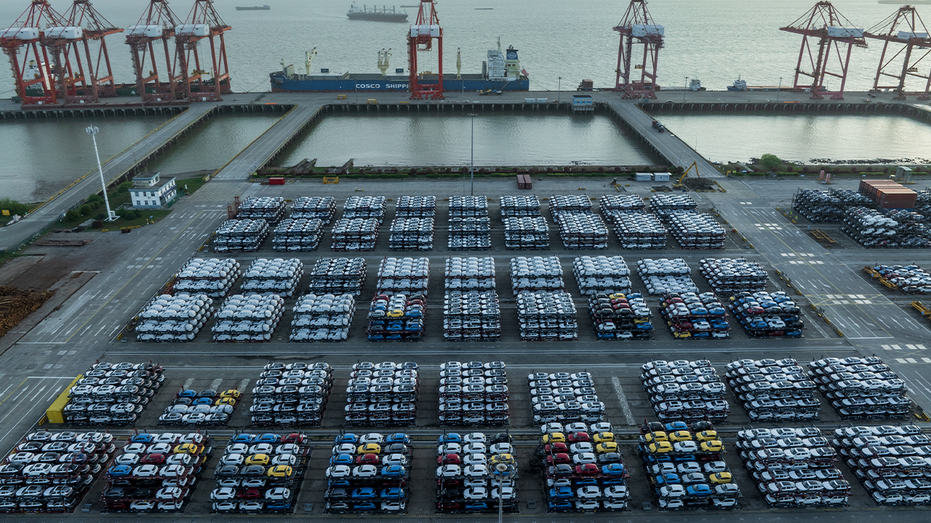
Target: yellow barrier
(55, 412)
(331, 180)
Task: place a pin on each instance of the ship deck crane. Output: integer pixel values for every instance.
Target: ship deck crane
(33, 74)
(202, 23)
(906, 31)
(423, 32)
(827, 41)
(637, 27)
(148, 40)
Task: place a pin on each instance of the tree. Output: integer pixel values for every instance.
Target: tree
(72, 215)
(770, 162)
(94, 198)
(13, 206)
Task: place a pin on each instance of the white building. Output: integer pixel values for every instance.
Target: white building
(148, 192)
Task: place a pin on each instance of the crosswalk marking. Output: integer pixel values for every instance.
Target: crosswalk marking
(926, 360)
(909, 346)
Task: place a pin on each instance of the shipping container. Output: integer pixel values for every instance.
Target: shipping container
(524, 182)
(896, 198)
(276, 180)
(643, 177)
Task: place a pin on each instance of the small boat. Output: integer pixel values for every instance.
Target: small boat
(739, 85)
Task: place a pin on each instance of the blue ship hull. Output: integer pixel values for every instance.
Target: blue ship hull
(391, 83)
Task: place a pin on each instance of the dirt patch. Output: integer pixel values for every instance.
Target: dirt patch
(16, 304)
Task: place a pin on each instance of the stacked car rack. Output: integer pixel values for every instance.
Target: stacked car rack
(408, 275)
(665, 275)
(248, 318)
(729, 275)
(767, 315)
(886, 461)
(685, 390)
(774, 390)
(297, 235)
(176, 318)
(872, 229)
(583, 470)
(338, 276)
(416, 207)
(355, 234)
(291, 394)
(694, 230)
(637, 229)
(470, 308)
(473, 393)
(382, 394)
(536, 273)
(260, 473)
(241, 235)
(112, 393)
(621, 202)
(411, 234)
(582, 230)
(526, 233)
(321, 208)
(861, 388)
(469, 224)
(365, 207)
(620, 316)
(519, 206)
(547, 316)
(56, 482)
(326, 317)
(207, 407)
(601, 274)
(268, 208)
(470, 274)
(562, 397)
(368, 474)
(818, 206)
(694, 316)
(396, 318)
(156, 472)
(686, 466)
(211, 276)
(662, 204)
(273, 276)
(793, 467)
(476, 473)
(910, 279)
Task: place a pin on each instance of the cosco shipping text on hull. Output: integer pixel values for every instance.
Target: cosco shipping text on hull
(312, 83)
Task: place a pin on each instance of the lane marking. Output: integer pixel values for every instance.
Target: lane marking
(625, 407)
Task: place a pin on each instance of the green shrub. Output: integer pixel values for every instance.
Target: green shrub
(85, 210)
(124, 187)
(94, 198)
(13, 206)
(101, 216)
(72, 215)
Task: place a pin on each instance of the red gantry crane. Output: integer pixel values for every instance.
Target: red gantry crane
(33, 74)
(95, 77)
(202, 23)
(637, 27)
(423, 32)
(148, 40)
(903, 29)
(829, 32)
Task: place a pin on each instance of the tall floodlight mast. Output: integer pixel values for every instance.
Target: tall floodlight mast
(422, 34)
(638, 80)
(906, 39)
(827, 41)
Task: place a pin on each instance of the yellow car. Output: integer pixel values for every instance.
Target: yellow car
(681, 334)
(680, 435)
(655, 436)
(369, 448)
(660, 447)
(603, 437)
(617, 296)
(555, 437)
(189, 448)
(280, 471)
(225, 401)
(502, 458)
(608, 446)
(231, 393)
(258, 459)
(706, 435)
(720, 477)
(711, 446)
(395, 313)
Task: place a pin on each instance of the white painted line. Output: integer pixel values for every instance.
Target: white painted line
(911, 360)
(36, 395)
(216, 383)
(243, 384)
(187, 384)
(625, 407)
(900, 360)
(926, 360)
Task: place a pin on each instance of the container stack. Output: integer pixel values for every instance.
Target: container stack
(64, 479)
(685, 390)
(582, 468)
(666, 275)
(620, 316)
(268, 208)
(112, 393)
(473, 471)
(273, 276)
(793, 467)
(411, 234)
(248, 318)
(582, 230)
(887, 194)
(469, 224)
(694, 316)
(369, 474)
(519, 206)
(774, 390)
(886, 462)
(563, 397)
(818, 206)
(536, 273)
(416, 207)
(730, 275)
(767, 315)
(291, 394)
(382, 394)
(156, 472)
(211, 276)
(910, 279)
(637, 229)
(547, 316)
(280, 480)
(694, 230)
(240, 235)
(473, 393)
(861, 388)
(621, 202)
(355, 234)
(365, 207)
(872, 229)
(685, 463)
(297, 235)
(526, 233)
(326, 317)
(321, 208)
(175, 318)
(601, 274)
(338, 276)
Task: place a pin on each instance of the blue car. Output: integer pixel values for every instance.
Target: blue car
(278, 505)
(398, 437)
(613, 469)
(585, 481)
(478, 505)
(450, 437)
(699, 489)
(794, 334)
(143, 437)
(268, 438)
(341, 459)
(347, 438)
(363, 493)
(561, 492)
(120, 470)
(392, 493)
(363, 506)
(392, 471)
(338, 483)
(666, 479)
(243, 438)
(561, 505)
(676, 425)
(203, 401)
(188, 393)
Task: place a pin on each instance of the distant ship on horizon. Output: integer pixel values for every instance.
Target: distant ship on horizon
(265, 7)
(906, 2)
(376, 15)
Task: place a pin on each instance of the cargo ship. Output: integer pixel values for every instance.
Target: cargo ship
(254, 8)
(501, 72)
(374, 15)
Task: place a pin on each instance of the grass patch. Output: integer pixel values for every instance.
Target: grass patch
(147, 217)
(189, 185)
(14, 207)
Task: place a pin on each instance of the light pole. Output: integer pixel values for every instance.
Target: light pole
(504, 471)
(93, 130)
(778, 91)
(686, 89)
(472, 158)
(558, 89)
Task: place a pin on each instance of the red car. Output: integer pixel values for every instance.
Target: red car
(556, 459)
(554, 448)
(249, 493)
(153, 459)
(449, 459)
(294, 437)
(589, 469)
(367, 459)
(576, 437)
